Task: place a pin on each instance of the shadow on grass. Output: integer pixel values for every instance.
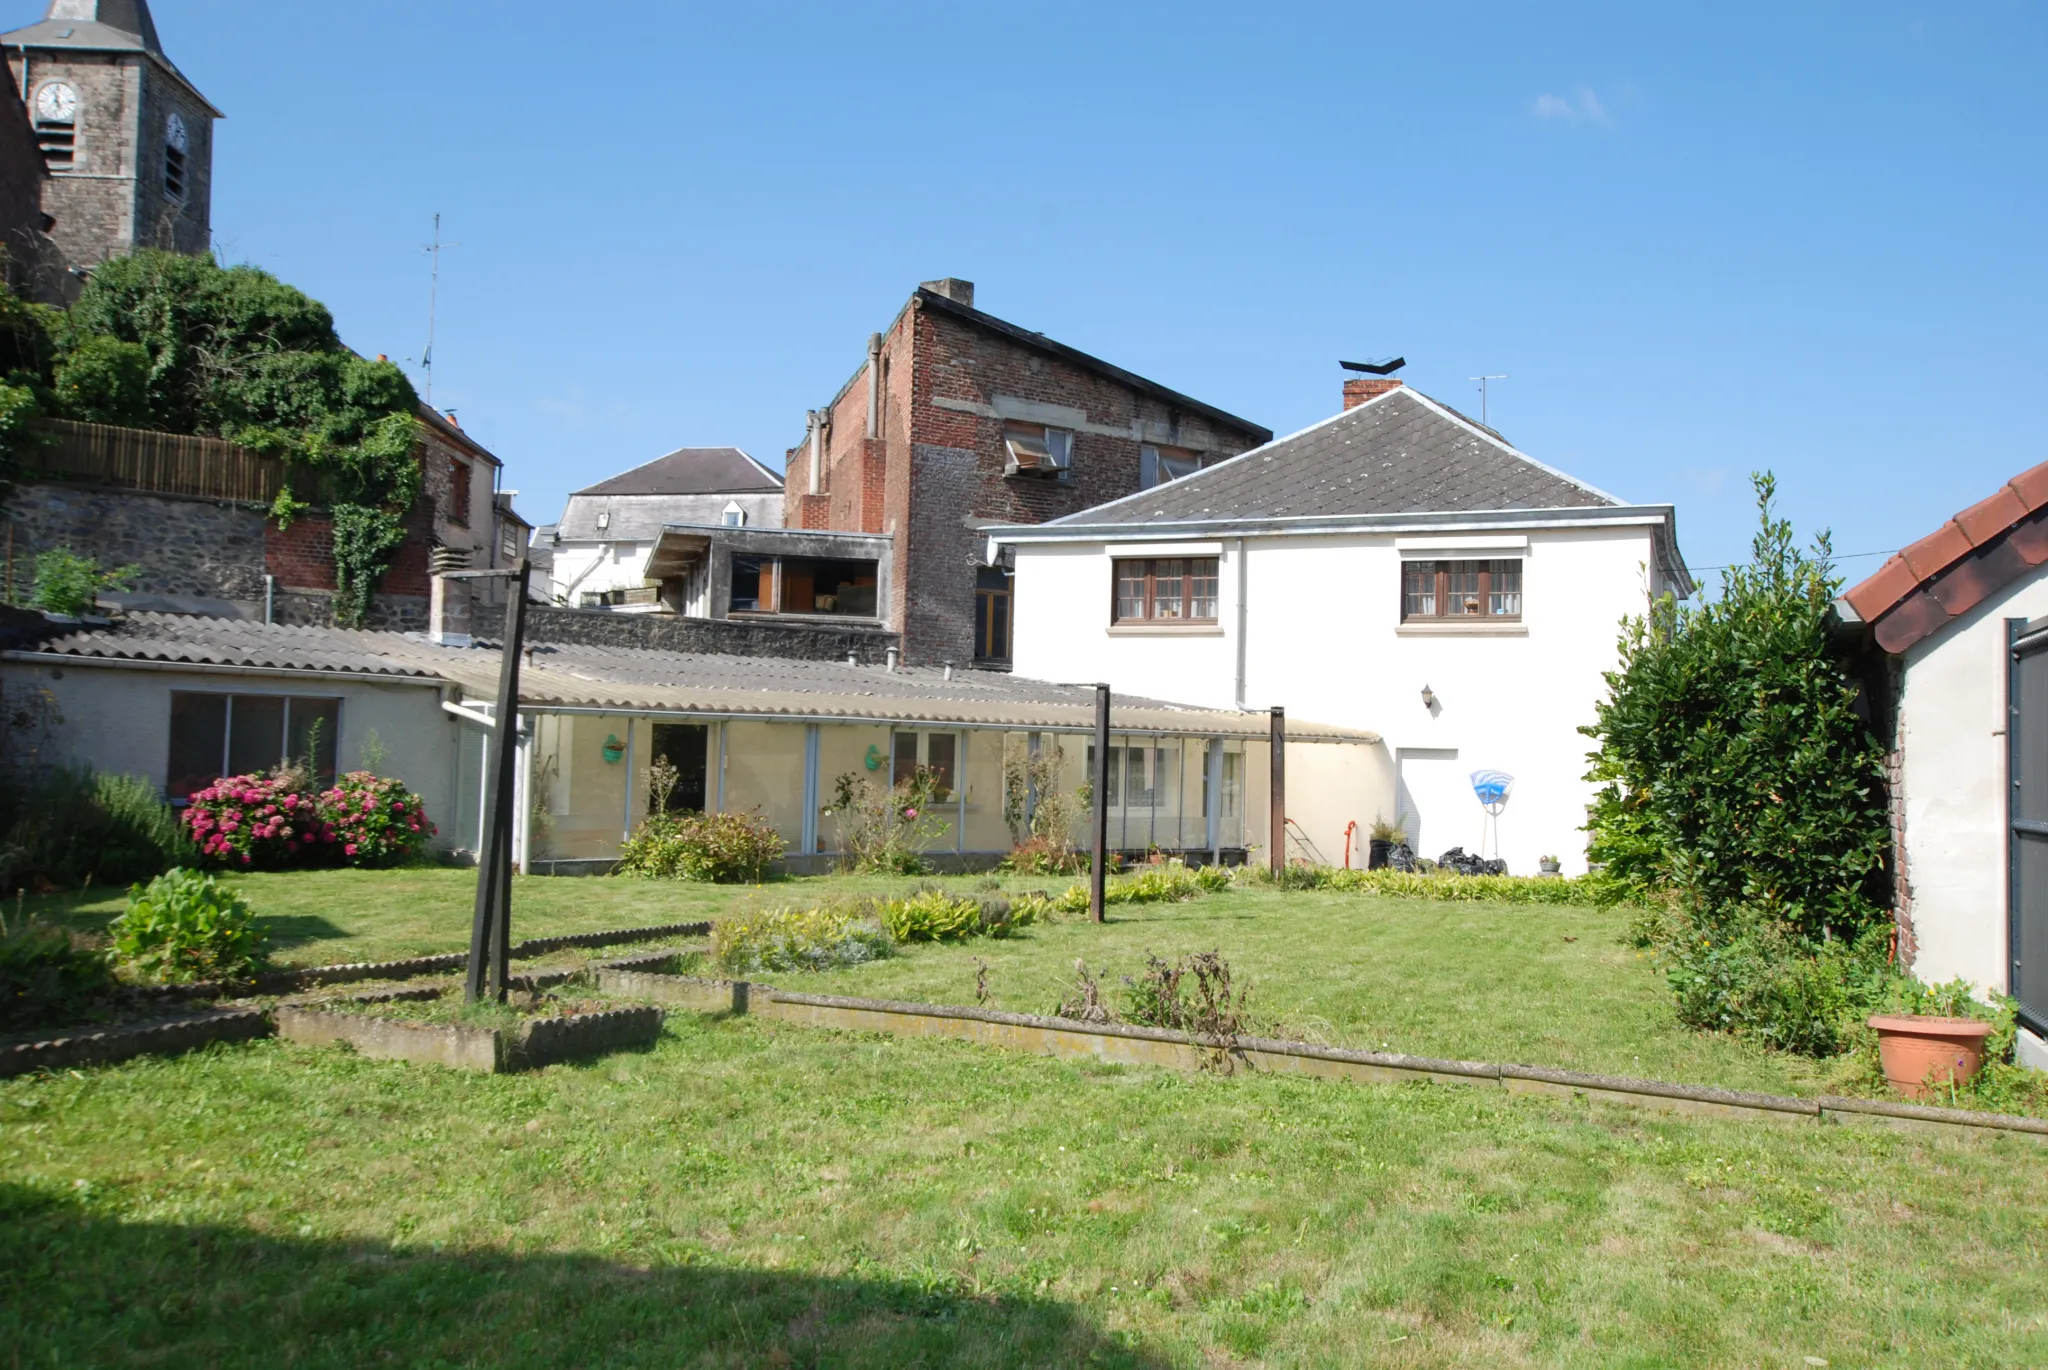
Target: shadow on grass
(81, 1288)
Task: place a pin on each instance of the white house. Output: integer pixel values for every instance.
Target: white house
(1958, 676)
(1397, 568)
(598, 552)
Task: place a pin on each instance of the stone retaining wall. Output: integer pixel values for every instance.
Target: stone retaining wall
(674, 633)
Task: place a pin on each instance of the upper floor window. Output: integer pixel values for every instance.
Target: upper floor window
(176, 144)
(1037, 449)
(57, 125)
(1158, 465)
(458, 490)
(1461, 589)
(734, 516)
(1166, 590)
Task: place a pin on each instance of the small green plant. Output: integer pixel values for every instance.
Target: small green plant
(1383, 831)
(185, 925)
(67, 583)
(1040, 816)
(49, 975)
(932, 915)
(723, 848)
(788, 937)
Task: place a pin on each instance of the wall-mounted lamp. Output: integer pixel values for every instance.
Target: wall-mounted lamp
(1428, 698)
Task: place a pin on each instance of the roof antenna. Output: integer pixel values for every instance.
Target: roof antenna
(1385, 366)
(434, 250)
(1482, 395)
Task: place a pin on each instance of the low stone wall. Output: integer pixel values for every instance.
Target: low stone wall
(1126, 1044)
(674, 633)
(537, 1042)
(312, 977)
(163, 1037)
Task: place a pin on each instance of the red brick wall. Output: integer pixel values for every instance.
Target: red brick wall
(302, 556)
(1359, 389)
(933, 467)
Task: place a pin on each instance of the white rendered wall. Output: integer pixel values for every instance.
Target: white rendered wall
(118, 720)
(1952, 755)
(583, 568)
(1324, 639)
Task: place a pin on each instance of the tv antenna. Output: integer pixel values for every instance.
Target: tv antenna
(1482, 394)
(433, 250)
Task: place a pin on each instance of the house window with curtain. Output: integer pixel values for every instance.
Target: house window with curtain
(458, 491)
(1432, 590)
(1166, 590)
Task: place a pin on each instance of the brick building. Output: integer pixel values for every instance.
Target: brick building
(126, 139)
(957, 419)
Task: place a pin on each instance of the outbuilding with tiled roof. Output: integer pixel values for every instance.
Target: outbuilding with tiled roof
(1953, 630)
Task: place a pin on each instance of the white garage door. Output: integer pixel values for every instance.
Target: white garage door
(1435, 801)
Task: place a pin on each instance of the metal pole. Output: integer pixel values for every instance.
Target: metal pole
(490, 930)
(1278, 856)
(1098, 871)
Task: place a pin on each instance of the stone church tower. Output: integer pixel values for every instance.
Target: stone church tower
(127, 141)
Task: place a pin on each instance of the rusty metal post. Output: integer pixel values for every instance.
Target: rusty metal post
(1278, 856)
(1098, 868)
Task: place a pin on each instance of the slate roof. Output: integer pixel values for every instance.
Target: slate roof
(1958, 566)
(100, 26)
(693, 471)
(1399, 453)
(570, 675)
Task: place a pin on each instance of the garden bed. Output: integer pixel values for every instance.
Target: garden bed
(430, 1025)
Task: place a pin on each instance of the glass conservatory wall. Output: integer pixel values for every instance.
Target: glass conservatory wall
(982, 783)
(764, 770)
(583, 800)
(856, 749)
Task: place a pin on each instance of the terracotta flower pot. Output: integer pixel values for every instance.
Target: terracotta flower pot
(1919, 1052)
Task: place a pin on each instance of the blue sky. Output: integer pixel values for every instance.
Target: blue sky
(1698, 240)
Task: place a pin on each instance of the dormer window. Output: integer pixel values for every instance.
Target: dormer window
(1038, 450)
(734, 516)
(57, 125)
(177, 143)
(604, 520)
(1158, 465)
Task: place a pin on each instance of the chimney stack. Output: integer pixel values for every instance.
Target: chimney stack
(1359, 389)
(954, 289)
(448, 601)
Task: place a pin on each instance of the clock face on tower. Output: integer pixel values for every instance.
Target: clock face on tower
(175, 135)
(57, 103)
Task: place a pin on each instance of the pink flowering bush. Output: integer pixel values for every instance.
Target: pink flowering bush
(259, 822)
(376, 822)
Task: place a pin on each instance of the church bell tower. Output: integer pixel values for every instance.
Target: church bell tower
(126, 139)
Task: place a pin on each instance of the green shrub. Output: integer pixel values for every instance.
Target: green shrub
(49, 976)
(1584, 891)
(1732, 762)
(1169, 882)
(188, 926)
(73, 825)
(1000, 917)
(66, 583)
(932, 915)
(724, 848)
(886, 829)
(794, 938)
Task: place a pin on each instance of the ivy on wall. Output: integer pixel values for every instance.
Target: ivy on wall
(184, 345)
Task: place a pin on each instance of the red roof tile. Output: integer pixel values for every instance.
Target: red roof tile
(1959, 565)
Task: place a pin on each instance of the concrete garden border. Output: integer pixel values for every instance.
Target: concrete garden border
(536, 1042)
(312, 977)
(1124, 1043)
(123, 1041)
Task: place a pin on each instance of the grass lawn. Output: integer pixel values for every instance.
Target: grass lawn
(749, 1192)
(754, 1193)
(1535, 984)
